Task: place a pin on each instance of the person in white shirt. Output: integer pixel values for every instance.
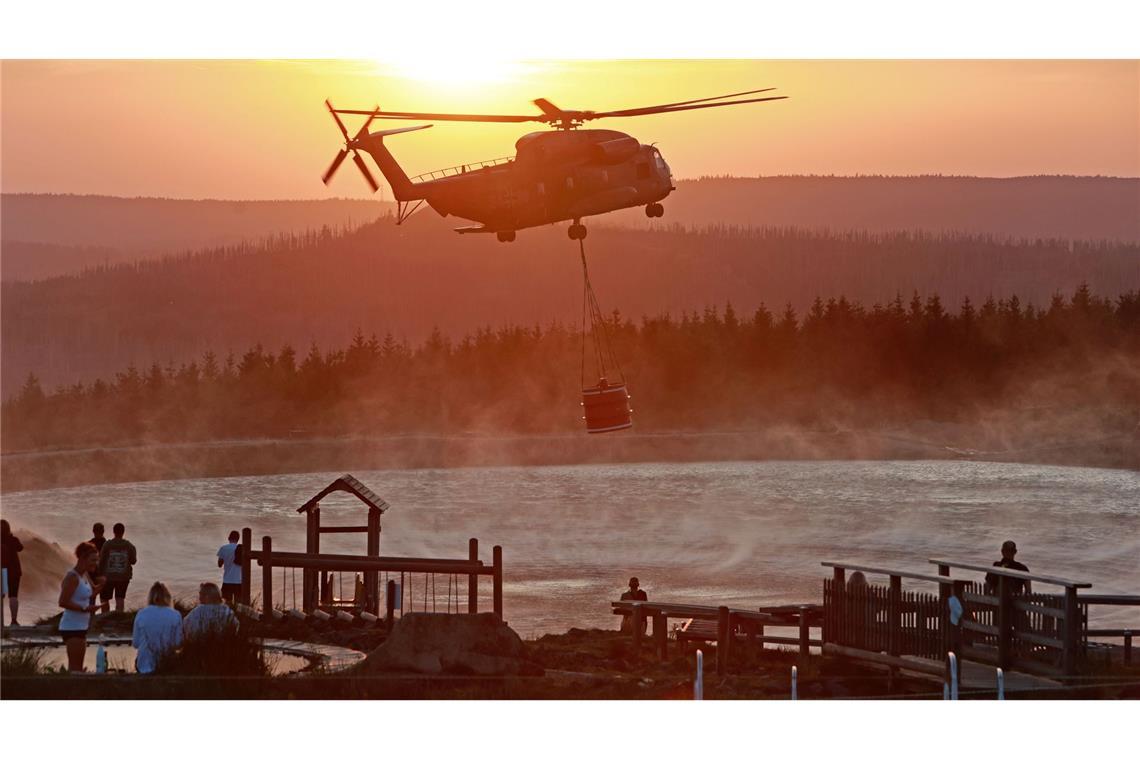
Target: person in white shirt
(158, 629)
(229, 559)
(211, 616)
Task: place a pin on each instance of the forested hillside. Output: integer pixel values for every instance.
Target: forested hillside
(1016, 376)
(322, 287)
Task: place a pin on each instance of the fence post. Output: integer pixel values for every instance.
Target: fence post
(267, 578)
(839, 614)
(699, 681)
(723, 637)
(795, 695)
(390, 605)
(1000, 684)
(805, 633)
(894, 616)
(473, 578)
(246, 564)
(1128, 647)
(1072, 640)
(944, 606)
(661, 635)
(1005, 622)
(637, 620)
(497, 581)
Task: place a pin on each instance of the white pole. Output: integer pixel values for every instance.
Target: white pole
(1000, 684)
(795, 694)
(953, 676)
(699, 681)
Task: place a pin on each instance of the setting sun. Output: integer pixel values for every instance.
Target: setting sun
(453, 71)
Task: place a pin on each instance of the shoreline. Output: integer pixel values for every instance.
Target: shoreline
(47, 469)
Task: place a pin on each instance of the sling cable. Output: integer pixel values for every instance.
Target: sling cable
(606, 404)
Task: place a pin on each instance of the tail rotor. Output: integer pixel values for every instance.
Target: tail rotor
(349, 147)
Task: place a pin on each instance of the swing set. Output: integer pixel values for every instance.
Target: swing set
(322, 578)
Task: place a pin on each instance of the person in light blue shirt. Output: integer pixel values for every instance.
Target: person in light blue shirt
(158, 629)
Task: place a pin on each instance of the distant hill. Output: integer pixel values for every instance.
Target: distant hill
(408, 280)
(1079, 208)
(48, 235)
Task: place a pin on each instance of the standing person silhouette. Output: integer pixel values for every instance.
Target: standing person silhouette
(10, 560)
(635, 594)
(77, 598)
(117, 560)
(229, 559)
(1007, 561)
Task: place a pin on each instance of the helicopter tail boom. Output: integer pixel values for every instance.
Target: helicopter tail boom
(373, 144)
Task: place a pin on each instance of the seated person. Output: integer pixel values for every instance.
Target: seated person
(157, 630)
(211, 615)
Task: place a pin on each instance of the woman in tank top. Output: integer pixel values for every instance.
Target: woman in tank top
(77, 597)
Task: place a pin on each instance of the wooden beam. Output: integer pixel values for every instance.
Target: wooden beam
(1048, 579)
(887, 572)
(267, 575)
(497, 581)
(473, 578)
(345, 529)
(928, 667)
(723, 639)
(246, 565)
(1072, 632)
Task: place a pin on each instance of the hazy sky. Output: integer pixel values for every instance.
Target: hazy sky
(258, 129)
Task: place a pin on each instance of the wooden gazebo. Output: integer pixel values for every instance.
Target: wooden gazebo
(312, 511)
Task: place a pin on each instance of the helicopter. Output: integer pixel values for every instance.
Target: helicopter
(564, 175)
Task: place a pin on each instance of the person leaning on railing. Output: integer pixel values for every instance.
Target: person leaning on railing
(1007, 561)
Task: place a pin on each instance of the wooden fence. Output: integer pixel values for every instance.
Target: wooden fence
(1037, 633)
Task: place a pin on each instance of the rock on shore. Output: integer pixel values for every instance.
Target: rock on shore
(453, 644)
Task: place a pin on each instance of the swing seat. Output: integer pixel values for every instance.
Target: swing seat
(606, 408)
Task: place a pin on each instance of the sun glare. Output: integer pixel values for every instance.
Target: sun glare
(453, 71)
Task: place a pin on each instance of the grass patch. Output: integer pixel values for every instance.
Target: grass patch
(20, 661)
(218, 653)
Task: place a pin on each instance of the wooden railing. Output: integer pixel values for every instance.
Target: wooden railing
(471, 568)
(1113, 600)
(1037, 633)
(730, 623)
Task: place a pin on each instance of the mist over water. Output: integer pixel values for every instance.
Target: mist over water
(736, 533)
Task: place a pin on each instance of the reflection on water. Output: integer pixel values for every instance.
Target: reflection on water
(121, 659)
(739, 533)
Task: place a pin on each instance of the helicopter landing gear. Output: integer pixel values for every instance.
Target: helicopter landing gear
(654, 209)
(577, 231)
(506, 236)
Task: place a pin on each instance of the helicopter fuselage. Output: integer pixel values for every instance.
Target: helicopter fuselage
(554, 177)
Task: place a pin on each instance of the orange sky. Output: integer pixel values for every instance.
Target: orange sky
(258, 129)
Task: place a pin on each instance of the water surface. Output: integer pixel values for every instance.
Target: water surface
(736, 533)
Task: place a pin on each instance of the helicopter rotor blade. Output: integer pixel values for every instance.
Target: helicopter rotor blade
(335, 165)
(626, 112)
(339, 123)
(658, 109)
(364, 170)
(409, 115)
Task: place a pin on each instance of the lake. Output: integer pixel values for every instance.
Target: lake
(736, 533)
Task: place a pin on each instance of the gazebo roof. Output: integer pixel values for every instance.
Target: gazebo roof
(353, 486)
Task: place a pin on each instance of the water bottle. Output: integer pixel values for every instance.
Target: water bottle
(101, 658)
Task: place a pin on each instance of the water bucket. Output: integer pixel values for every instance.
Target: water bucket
(606, 408)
